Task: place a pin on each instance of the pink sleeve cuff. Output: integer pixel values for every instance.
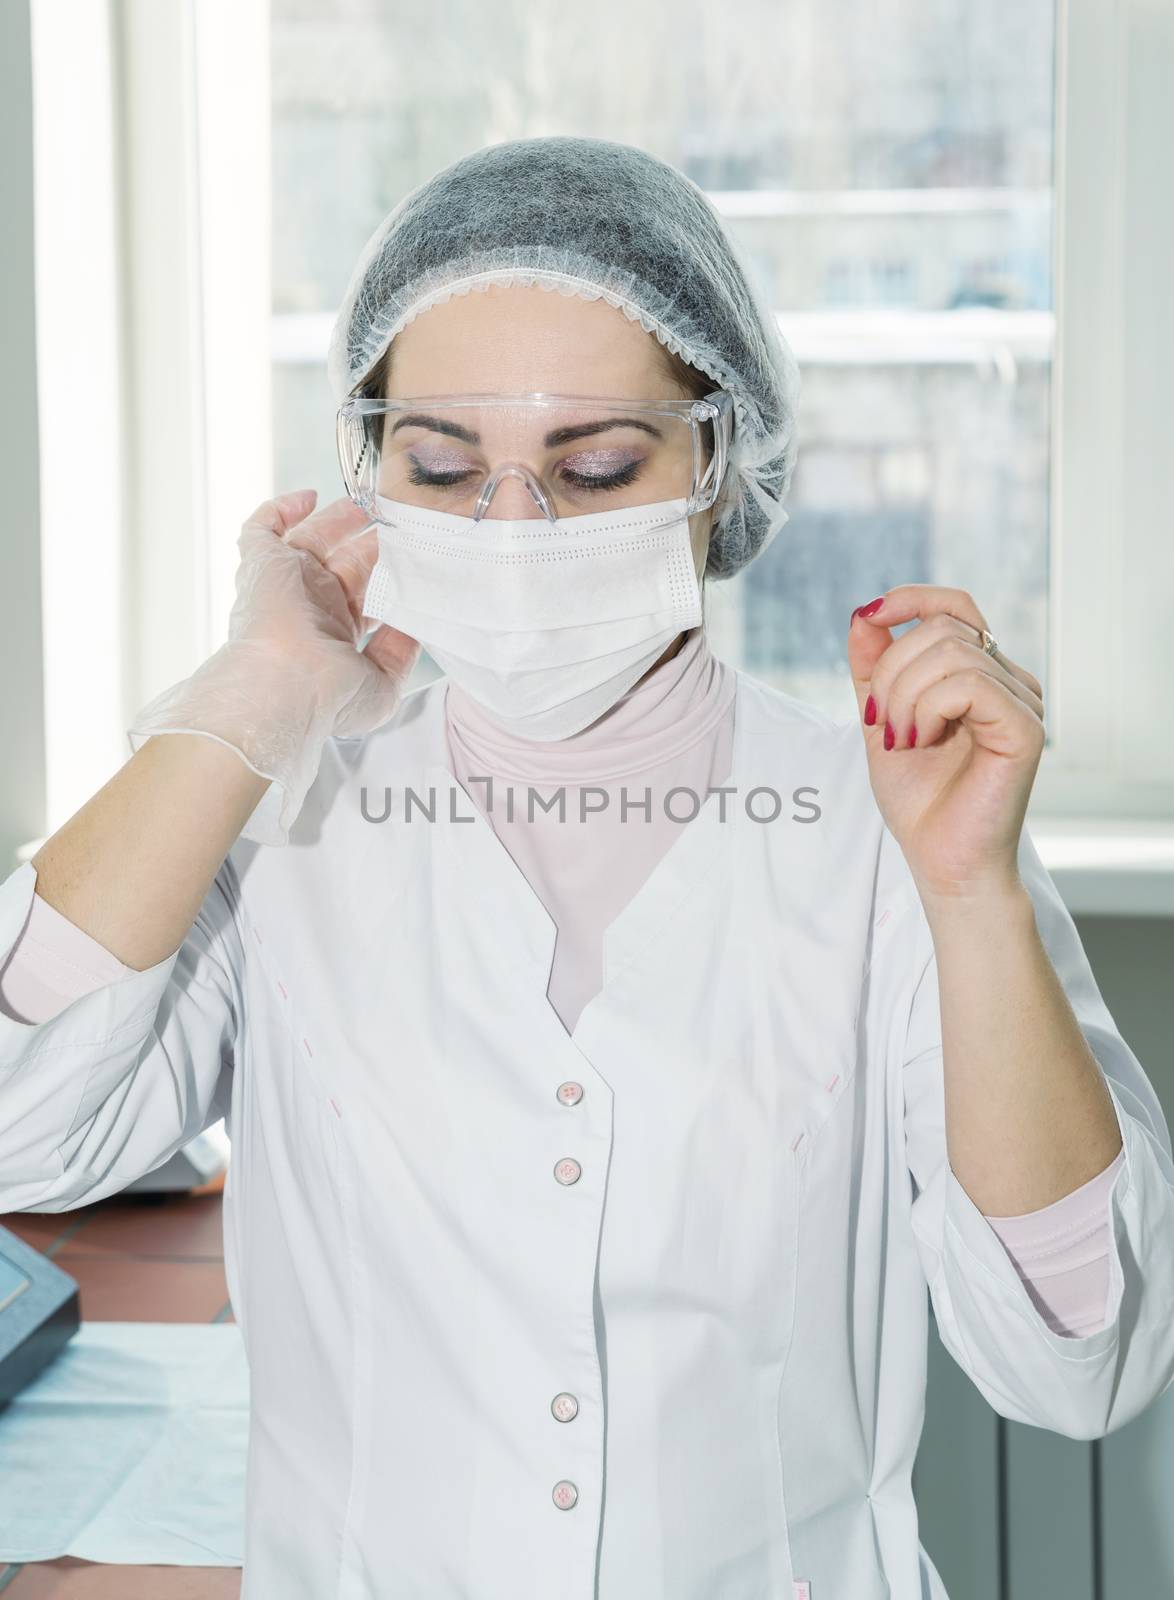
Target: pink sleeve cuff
(52, 963)
(1061, 1253)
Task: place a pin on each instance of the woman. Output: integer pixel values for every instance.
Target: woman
(569, 1224)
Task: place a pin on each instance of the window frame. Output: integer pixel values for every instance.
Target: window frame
(185, 125)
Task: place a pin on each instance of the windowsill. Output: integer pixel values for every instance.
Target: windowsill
(1102, 867)
(1108, 867)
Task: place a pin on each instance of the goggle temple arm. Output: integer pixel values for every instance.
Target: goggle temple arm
(718, 409)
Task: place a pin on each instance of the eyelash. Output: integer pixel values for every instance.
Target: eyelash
(617, 480)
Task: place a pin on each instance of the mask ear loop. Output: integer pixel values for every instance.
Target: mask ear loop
(514, 470)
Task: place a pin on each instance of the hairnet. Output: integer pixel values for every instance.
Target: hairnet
(592, 217)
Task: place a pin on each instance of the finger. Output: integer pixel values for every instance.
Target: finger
(883, 658)
(870, 639)
(866, 646)
(997, 716)
(938, 609)
(1021, 674)
(930, 651)
(352, 562)
(278, 516)
(328, 527)
(921, 600)
(1026, 678)
(392, 652)
(332, 576)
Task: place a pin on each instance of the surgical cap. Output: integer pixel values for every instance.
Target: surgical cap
(591, 217)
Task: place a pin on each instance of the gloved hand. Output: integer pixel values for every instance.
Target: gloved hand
(291, 673)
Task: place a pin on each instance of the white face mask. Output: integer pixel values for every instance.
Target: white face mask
(544, 624)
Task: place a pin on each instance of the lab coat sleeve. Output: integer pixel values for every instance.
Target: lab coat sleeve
(124, 1076)
(1082, 1387)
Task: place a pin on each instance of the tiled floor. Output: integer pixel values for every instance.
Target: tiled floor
(137, 1258)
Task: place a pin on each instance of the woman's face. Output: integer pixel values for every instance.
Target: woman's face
(520, 339)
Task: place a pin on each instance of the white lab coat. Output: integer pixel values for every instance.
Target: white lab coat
(733, 1291)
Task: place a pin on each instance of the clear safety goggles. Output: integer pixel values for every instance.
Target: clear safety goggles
(572, 455)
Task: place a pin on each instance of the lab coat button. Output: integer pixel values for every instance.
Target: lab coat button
(567, 1171)
(570, 1093)
(565, 1406)
(565, 1494)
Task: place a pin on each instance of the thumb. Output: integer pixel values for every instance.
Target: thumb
(867, 642)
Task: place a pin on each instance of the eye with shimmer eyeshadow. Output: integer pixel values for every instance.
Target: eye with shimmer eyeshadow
(439, 473)
(619, 478)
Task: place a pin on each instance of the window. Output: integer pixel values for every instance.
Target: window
(892, 187)
(959, 217)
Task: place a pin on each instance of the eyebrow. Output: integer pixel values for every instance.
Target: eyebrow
(556, 436)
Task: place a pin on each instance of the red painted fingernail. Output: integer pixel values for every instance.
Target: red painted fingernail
(870, 711)
(889, 736)
(873, 605)
(912, 736)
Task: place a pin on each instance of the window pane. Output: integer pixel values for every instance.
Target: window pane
(891, 185)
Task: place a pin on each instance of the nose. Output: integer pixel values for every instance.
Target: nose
(516, 495)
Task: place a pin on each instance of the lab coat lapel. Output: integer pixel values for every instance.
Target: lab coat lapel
(693, 867)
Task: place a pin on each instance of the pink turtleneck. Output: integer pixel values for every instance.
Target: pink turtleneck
(672, 730)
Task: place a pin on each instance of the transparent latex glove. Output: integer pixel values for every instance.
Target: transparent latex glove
(291, 674)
